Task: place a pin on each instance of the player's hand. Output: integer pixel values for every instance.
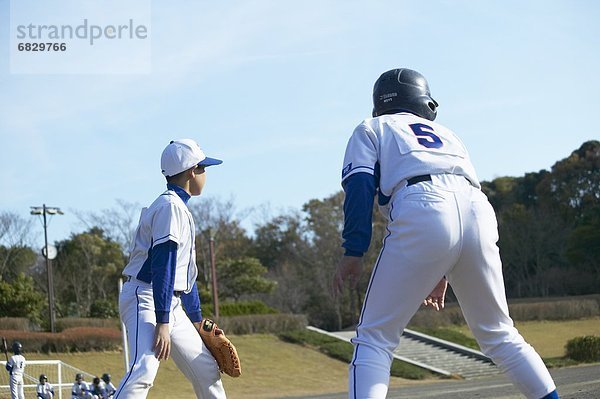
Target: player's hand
(197, 325)
(437, 296)
(349, 268)
(162, 341)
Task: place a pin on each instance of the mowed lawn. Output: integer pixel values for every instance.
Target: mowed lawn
(550, 337)
(270, 368)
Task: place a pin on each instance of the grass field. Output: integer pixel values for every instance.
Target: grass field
(549, 337)
(270, 368)
(273, 368)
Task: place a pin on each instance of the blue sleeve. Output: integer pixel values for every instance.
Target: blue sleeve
(191, 303)
(8, 368)
(164, 260)
(360, 189)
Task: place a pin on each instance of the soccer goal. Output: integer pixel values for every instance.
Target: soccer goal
(60, 375)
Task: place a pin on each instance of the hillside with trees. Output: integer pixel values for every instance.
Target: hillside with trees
(549, 224)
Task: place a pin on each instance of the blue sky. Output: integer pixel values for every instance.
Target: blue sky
(275, 88)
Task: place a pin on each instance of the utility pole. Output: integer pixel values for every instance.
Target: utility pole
(213, 270)
(49, 253)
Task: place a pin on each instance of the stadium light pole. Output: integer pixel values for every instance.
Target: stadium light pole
(48, 210)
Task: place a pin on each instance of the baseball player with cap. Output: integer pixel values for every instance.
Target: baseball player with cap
(160, 285)
(441, 229)
(16, 368)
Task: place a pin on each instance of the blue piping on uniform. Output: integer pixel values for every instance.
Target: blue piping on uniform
(137, 328)
(362, 312)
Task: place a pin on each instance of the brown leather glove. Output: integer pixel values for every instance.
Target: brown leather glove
(221, 348)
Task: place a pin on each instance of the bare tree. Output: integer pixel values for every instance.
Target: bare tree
(118, 223)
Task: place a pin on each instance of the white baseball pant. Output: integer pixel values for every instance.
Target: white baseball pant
(16, 387)
(440, 228)
(136, 306)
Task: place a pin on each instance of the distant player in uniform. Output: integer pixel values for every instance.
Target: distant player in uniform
(80, 388)
(44, 389)
(16, 368)
(441, 229)
(108, 385)
(160, 283)
(97, 389)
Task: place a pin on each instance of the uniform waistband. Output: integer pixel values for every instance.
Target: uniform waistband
(417, 179)
(132, 279)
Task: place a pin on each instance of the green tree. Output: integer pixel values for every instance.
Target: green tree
(16, 255)
(242, 276)
(88, 266)
(20, 298)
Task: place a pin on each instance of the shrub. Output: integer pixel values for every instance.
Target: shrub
(584, 349)
(239, 308)
(520, 310)
(15, 323)
(104, 309)
(80, 339)
(74, 322)
(264, 324)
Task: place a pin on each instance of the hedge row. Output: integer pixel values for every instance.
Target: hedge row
(239, 308)
(566, 309)
(262, 324)
(584, 349)
(84, 339)
(80, 339)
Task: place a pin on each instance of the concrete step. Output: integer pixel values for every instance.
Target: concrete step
(437, 355)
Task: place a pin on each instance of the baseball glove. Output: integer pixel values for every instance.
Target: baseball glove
(221, 348)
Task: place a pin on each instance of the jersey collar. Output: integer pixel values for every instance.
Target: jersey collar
(185, 197)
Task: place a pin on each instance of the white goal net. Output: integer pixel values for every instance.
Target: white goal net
(60, 375)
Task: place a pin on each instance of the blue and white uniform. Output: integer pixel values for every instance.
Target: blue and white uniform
(80, 390)
(110, 389)
(439, 224)
(16, 368)
(161, 288)
(45, 391)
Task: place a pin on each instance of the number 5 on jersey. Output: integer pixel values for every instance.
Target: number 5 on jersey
(426, 136)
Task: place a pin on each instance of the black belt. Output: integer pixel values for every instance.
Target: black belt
(417, 179)
(130, 278)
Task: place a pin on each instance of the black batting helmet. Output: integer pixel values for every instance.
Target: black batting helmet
(17, 348)
(403, 89)
(106, 377)
(43, 378)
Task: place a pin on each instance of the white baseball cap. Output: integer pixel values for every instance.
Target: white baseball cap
(180, 155)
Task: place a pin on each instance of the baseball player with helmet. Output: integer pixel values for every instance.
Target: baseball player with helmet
(160, 285)
(80, 388)
(44, 389)
(108, 385)
(16, 368)
(440, 229)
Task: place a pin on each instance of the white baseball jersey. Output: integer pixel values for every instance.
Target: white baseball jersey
(168, 218)
(17, 362)
(80, 390)
(404, 146)
(439, 224)
(45, 391)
